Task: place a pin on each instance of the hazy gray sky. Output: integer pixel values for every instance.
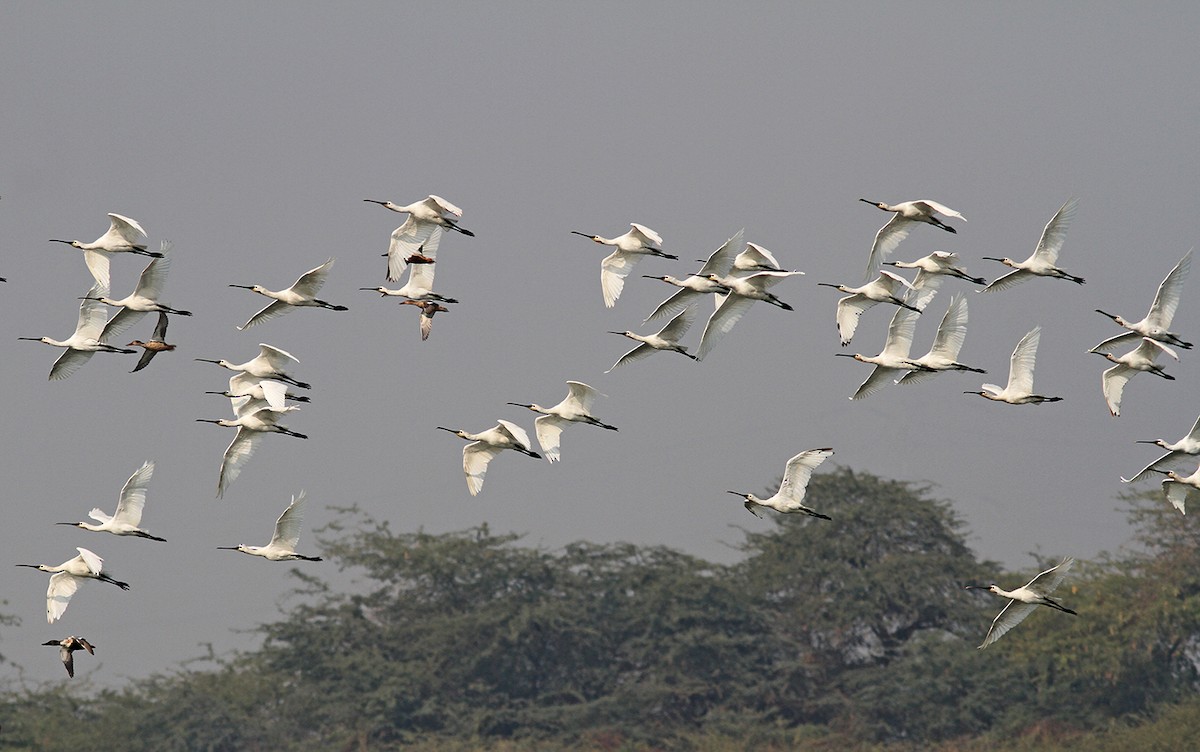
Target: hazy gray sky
(250, 135)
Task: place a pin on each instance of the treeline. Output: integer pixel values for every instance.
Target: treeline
(850, 634)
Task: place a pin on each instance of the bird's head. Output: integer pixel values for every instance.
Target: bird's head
(992, 588)
(873, 203)
(380, 290)
(255, 288)
(456, 431)
(1120, 321)
(1006, 260)
(72, 243)
(36, 339)
(588, 235)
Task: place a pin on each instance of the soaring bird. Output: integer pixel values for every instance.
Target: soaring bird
(666, 338)
(130, 503)
(426, 221)
(67, 648)
(933, 267)
(156, 344)
(285, 539)
(268, 364)
(428, 309)
(790, 496)
(143, 299)
(893, 359)
(743, 291)
(124, 235)
(1188, 445)
(302, 293)
(695, 286)
(1162, 311)
(66, 578)
(1140, 358)
(639, 241)
(882, 289)
(1045, 256)
(576, 407)
(1023, 600)
(947, 343)
(251, 428)
(1019, 390)
(906, 214)
(85, 341)
(486, 445)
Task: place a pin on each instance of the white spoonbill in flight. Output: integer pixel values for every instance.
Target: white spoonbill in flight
(576, 407)
(893, 359)
(66, 578)
(156, 344)
(882, 289)
(1023, 600)
(268, 364)
(85, 341)
(302, 293)
(1019, 390)
(143, 299)
(1042, 262)
(743, 291)
(695, 286)
(426, 221)
(124, 235)
(1179, 487)
(1162, 311)
(1188, 445)
(639, 241)
(251, 428)
(906, 215)
(933, 267)
(790, 496)
(285, 539)
(947, 343)
(270, 391)
(67, 648)
(666, 338)
(130, 503)
(1139, 359)
(486, 445)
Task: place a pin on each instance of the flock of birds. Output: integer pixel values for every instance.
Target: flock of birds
(733, 277)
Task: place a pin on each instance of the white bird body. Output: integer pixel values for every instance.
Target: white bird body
(694, 286)
(421, 232)
(272, 392)
(754, 259)
(1188, 445)
(1045, 256)
(93, 315)
(302, 293)
(576, 407)
(1157, 323)
(947, 343)
(1023, 600)
(907, 214)
(1019, 390)
(124, 235)
(268, 364)
(130, 503)
(882, 289)
(486, 445)
(1179, 487)
(666, 338)
(1140, 358)
(251, 428)
(286, 537)
(66, 578)
(143, 299)
(893, 359)
(631, 247)
(743, 291)
(933, 268)
(790, 496)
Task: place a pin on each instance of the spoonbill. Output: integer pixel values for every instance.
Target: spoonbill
(287, 535)
(935, 266)
(157, 344)
(486, 445)
(425, 216)
(251, 427)
(692, 287)
(67, 648)
(143, 299)
(428, 309)
(947, 343)
(753, 259)
(1023, 600)
(124, 235)
(790, 496)
(1162, 311)
(893, 359)
(576, 407)
(130, 503)
(743, 291)
(906, 214)
(1188, 445)
(1139, 359)
(1042, 262)
(66, 578)
(666, 338)
(639, 241)
(882, 289)
(268, 364)
(268, 390)
(301, 293)
(85, 341)
(1179, 487)
(1019, 390)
